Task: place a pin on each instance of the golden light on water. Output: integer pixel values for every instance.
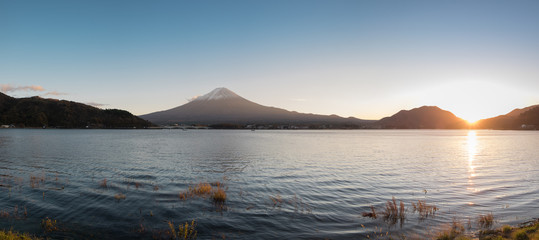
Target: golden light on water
(472, 151)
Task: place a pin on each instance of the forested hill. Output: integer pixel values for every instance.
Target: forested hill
(39, 112)
(525, 118)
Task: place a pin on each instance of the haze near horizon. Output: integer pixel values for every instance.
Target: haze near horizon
(362, 59)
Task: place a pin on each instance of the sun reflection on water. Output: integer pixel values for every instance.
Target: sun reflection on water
(472, 151)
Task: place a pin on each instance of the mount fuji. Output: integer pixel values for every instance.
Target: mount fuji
(222, 106)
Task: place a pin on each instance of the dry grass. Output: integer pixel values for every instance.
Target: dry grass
(49, 225)
(299, 205)
(184, 195)
(36, 181)
(371, 214)
(205, 190)
(218, 196)
(527, 231)
(521, 235)
(296, 203)
(485, 221)
(185, 231)
(277, 200)
(15, 214)
(140, 229)
(119, 196)
(394, 212)
(506, 229)
(425, 210)
(11, 235)
(199, 190)
(455, 231)
(103, 183)
(4, 214)
(214, 191)
(202, 189)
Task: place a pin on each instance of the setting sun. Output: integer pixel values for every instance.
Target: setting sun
(471, 117)
(471, 100)
(469, 112)
(471, 121)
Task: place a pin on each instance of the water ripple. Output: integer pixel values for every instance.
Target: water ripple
(279, 184)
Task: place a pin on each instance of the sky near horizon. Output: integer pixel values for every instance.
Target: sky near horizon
(366, 59)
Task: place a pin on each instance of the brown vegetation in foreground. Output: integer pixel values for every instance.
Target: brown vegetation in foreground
(103, 183)
(527, 231)
(393, 212)
(485, 221)
(49, 225)
(213, 190)
(371, 214)
(425, 210)
(119, 196)
(12, 235)
(185, 231)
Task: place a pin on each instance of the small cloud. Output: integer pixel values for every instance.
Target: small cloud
(97, 105)
(6, 88)
(34, 88)
(9, 88)
(193, 98)
(54, 93)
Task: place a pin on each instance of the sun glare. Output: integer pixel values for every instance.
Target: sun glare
(471, 121)
(471, 111)
(471, 100)
(470, 114)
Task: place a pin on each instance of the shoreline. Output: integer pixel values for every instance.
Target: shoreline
(528, 230)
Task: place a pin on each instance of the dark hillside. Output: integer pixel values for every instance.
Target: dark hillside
(39, 112)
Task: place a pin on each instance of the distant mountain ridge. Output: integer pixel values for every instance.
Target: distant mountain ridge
(432, 117)
(40, 112)
(518, 111)
(222, 106)
(426, 117)
(525, 118)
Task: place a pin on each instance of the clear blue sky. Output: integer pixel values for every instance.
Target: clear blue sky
(366, 59)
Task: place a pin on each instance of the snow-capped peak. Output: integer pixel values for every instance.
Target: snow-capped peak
(217, 94)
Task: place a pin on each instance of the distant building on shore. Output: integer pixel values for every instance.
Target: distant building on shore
(528, 127)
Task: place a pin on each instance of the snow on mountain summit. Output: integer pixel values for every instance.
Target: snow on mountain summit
(218, 94)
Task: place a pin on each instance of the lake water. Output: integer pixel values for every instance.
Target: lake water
(279, 184)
